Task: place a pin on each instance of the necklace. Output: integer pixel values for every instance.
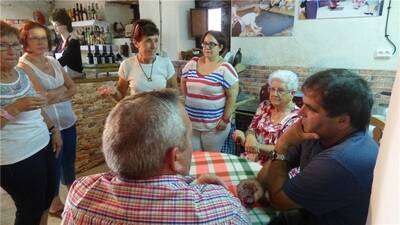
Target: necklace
(148, 77)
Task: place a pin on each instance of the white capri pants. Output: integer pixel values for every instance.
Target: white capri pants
(212, 140)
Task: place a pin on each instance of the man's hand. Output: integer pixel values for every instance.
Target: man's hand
(249, 192)
(211, 179)
(293, 136)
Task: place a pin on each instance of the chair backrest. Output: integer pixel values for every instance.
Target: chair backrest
(377, 131)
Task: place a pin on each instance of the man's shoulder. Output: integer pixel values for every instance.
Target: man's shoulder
(357, 145)
(87, 182)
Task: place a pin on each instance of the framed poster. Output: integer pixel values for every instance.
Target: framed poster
(259, 18)
(328, 9)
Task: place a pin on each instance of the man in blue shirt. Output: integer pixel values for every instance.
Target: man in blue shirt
(335, 154)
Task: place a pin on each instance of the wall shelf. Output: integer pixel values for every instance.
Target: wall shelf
(89, 23)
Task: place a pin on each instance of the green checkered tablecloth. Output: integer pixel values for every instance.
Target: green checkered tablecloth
(232, 169)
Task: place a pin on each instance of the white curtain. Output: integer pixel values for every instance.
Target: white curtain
(384, 208)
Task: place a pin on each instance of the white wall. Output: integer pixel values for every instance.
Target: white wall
(175, 23)
(22, 9)
(338, 43)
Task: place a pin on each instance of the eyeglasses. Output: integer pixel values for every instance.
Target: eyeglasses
(209, 45)
(280, 91)
(38, 39)
(15, 47)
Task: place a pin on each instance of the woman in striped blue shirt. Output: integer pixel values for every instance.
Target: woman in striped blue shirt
(210, 86)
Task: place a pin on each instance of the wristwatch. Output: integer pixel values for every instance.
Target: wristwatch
(273, 155)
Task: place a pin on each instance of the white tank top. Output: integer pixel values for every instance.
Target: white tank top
(27, 134)
(61, 113)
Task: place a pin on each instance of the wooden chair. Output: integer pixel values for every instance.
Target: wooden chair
(379, 125)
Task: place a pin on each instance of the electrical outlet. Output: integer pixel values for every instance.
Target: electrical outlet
(383, 53)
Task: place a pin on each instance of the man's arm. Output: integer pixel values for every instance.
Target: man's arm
(274, 174)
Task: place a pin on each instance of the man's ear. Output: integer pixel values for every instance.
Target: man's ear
(344, 121)
(174, 159)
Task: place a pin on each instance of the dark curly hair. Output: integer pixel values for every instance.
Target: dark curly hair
(219, 36)
(343, 92)
(61, 16)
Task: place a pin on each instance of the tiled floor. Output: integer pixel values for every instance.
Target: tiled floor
(7, 213)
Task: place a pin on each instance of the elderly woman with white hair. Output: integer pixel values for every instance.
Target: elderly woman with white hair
(272, 117)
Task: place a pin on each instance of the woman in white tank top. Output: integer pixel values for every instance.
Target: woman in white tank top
(27, 162)
(49, 77)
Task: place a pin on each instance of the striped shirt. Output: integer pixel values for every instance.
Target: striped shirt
(170, 199)
(205, 94)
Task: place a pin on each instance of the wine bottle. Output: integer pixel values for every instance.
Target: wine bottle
(94, 12)
(81, 12)
(85, 14)
(109, 37)
(112, 56)
(78, 13)
(84, 40)
(74, 17)
(90, 56)
(89, 12)
(97, 54)
(105, 55)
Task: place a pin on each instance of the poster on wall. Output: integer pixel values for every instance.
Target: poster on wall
(259, 18)
(327, 9)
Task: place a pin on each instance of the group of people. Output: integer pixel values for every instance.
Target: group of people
(325, 140)
(38, 132)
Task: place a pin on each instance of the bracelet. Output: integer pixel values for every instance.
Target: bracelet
(51, 128)
(6, 115)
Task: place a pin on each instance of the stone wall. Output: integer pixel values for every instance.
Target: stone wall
(254, 77)
(91, 111)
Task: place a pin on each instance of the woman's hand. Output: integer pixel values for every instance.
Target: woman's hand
(249, 192)
(251, 145)
(106, 91)
(239, 137)
(29, 103)
(56, 141)
(221, 125)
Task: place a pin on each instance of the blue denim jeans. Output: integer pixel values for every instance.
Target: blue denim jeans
(66, 161)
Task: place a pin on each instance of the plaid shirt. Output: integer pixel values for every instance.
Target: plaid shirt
(107, 199)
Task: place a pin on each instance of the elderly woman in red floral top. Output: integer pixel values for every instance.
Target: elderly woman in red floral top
(272, 118)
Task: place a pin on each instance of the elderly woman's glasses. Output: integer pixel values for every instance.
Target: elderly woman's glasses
(15, 47)
(279, 91)
(209, 45)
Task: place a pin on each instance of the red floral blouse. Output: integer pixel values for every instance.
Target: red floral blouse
(265, 130)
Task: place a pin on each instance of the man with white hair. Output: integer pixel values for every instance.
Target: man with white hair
(147, 146)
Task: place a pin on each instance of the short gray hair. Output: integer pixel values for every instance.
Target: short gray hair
(140, 130)
(287, 77)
